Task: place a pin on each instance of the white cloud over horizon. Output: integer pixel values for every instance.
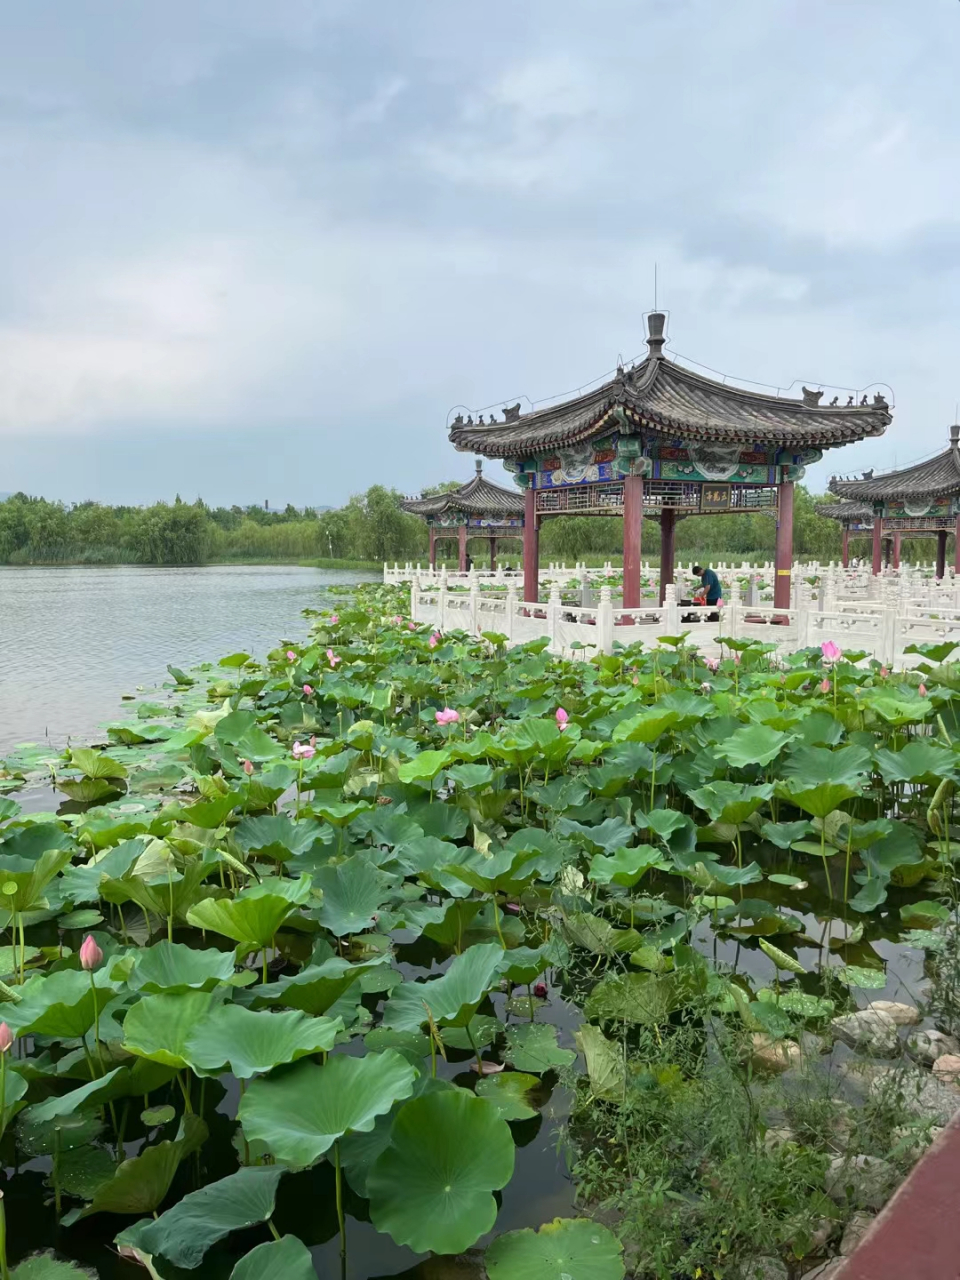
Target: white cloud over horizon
(312, 230)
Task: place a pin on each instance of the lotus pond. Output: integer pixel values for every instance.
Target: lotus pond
(399, 952)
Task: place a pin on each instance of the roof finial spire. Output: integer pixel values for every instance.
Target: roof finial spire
(479, 464)
(656, 322)
(955, 437)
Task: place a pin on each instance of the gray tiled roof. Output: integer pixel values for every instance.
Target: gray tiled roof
(664, 397)
(931, 479)
(859, 511)
(478, 497)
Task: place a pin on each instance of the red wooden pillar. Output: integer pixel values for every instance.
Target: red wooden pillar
(493, 555)
(433, 547)
(886, 552)
(632, 539)
(463, 548)
(941, 552)
(845, 553)
(668, 531)
(531, 548)
(896, 550)
(877, 543)
(783, 562)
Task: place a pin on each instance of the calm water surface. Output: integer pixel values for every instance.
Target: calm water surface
(73, 640)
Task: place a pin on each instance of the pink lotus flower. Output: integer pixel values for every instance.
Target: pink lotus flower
(512, 907)
(922, 691)
(248, 767)
(308, 689)
(884, 672)
(291, 656)
(487, 1068)
(824, 686)
(6, 1038)
(434, 639)
(303, 751)
(332, 658)
(736, 659)
(831, 652)
(91, 957)
(398, 619)
(540, 990)
(334, 619)
(411, 626)
(447, 716)
(562, 719)
(712, 664)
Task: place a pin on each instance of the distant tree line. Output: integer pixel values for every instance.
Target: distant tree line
(370, 527)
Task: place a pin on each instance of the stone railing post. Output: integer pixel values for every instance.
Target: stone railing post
(671, 610)
(414, 600)
(554, 605)
(511, 612)
(888, 624)
(730, 614)
(474, 602)
(605, 621)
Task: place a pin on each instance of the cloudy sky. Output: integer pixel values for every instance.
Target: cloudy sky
(260, 251)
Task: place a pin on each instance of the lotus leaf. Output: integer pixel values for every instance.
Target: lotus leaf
(532, 1046)
(62, 1004)
(140, 1185)
(606, 1067)
(184, 1233)
(432, 1188)
(508, 1092)
(249, 1043)
(730, 802)
(857, 976)
(174, 967)
(316, 988)
(275, 835)
(160, 1027)
(284, 1259)
(625, 867)
(44, 1266)
(254, 916)
(88, 1095)
(300, 1115)
(564, 1248)
(644, 998)
(755, 744)
(452, 998)
(780, 958)
(354, 892)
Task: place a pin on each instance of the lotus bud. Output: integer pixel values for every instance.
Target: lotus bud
(540, 990)
(248, 768)
(831, 652)
(6, 1038)
(824, 686)
(91, 957)
(488, 1068)
(562, 719)
(291, 656)
(334, 619)
(922, 691)
(307, 690)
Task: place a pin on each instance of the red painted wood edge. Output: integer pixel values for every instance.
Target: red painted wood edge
(917, 1235)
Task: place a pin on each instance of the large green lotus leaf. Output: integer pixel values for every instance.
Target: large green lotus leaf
(159, 1027)
(645, 727)
(731, 802)
(452, 998)
(785, 834)
(817, 800)
(608, 835)
(605, 1064)
(897, 710)
(140, 1185)
(208, 814)
(359, 1152)
(62, 1005)
(523, 964)
(581, 929)
(920, 761)
(82, 883)
(174, 967)
(508, 1092)
(644, 998)
(809, 766)
(506, 871)
(754, 744)
(317, 987)
(90, 1094)
(563, 1248)
(44, 1266)
(14, 1088)
(275, 835)
(354, 891)
(24, 881)
(532, 1046)
(424, 767)
(30, 842)
(184, 1233)
(254, 916)
(780, 958)
(88, 790)
(299, 1115)
(432, 1188)
(249, 1043)
(625, 867)
(95, 765)
(284, 1259)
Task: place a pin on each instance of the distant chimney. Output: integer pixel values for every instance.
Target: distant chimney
(656, 321)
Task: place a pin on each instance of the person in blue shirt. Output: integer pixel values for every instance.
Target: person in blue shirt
(710, 583)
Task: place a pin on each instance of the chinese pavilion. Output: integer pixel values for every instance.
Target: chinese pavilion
(855, 518)
(918, 501)
(661, 441)
(478, 509)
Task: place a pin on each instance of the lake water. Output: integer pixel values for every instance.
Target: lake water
(74, 639)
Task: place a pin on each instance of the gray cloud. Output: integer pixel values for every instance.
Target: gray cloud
(303, 232)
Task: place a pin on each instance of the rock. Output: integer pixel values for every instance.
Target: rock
(818, 1240)
(767, 1268)
(855, 1230)
(923, 1094)
(777, 1137)
(826, 1270)
(928, 1046)
(904, 1015)
(912, 1141)
(868, 1030)
(862, 1180)
(772, 1056)
(947, 1069)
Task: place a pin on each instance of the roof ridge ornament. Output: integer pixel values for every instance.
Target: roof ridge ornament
(656, 323)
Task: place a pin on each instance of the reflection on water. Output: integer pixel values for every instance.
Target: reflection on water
(74, 639)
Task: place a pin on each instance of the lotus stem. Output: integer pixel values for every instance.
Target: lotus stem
(340, 1218)
(4, 1270)
(823, 855)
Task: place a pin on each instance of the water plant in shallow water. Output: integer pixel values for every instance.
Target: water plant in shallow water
(337, 878)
